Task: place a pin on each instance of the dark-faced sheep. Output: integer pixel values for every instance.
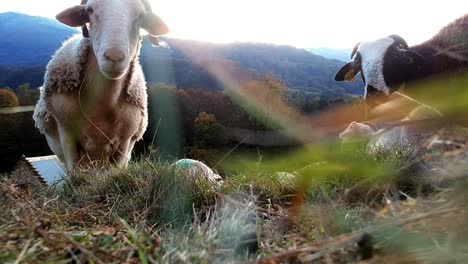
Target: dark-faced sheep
(389, 63)
(93, 103)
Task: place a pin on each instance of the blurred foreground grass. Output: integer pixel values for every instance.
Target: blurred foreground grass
(325, 203)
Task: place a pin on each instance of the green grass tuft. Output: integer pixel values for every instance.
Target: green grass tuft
(317, 202)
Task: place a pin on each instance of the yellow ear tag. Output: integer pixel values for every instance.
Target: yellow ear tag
(349, 77)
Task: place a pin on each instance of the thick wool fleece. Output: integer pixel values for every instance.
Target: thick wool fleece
(65, 73)
(447, 51)
(453, 37)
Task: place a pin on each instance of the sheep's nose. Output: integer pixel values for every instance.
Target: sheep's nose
(114, 55)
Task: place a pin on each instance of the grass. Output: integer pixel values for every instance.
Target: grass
(328, 204)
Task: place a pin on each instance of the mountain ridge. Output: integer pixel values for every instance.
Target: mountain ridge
(342, 55)
(30, 40)
(186, 63)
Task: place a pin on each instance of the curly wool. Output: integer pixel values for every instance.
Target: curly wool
(66, 72)
(454, 36)
(447, 50)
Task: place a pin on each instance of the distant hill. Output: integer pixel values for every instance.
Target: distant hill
(334, 54)
(13, 76)
(29, 40)
(298, 68)
(27, 43)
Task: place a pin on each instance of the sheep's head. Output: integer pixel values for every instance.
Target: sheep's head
(384, 64)
(114, 30)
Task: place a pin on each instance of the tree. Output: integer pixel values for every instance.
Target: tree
(297, 99)
(8, 98)
(266, 101)
(26, 95)
(8, 88)
(208, 132)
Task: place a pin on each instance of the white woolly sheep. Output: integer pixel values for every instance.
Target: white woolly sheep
(388, 63)
(400, 137)
(93, 104)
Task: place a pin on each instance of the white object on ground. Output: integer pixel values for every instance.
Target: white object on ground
(195, 169)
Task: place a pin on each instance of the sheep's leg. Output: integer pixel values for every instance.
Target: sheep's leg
(55, 145)
(53, 138)
(122, 155)
(130, 149)
(69, 148)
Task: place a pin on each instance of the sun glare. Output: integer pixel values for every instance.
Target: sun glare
(301, 23)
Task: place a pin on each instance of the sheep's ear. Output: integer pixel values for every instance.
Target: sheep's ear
(347, 73)
(74, 16)
(155, 25)
(355, 50)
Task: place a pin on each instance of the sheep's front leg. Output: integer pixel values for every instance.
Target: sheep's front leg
(70, 149)
(123, 153)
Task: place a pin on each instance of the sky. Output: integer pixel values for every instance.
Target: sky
(302, 23)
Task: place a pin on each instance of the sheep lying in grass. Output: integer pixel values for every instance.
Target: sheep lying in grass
(93, 104)
(400, 137)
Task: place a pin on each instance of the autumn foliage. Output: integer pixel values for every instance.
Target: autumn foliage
(208, 132)
(266, 102)
(8, 98)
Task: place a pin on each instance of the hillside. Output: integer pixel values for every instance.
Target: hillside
(186, 63)
(334, 54)
(29, 40)
(298, 68)
(13, 76)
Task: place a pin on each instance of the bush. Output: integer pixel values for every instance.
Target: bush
(208, 132)
(8, 98)
(26, 95)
